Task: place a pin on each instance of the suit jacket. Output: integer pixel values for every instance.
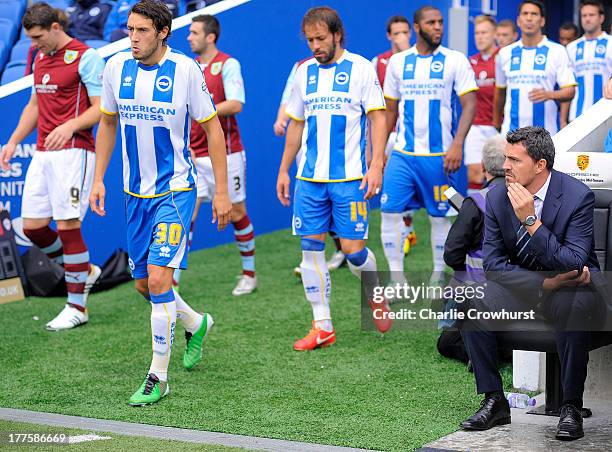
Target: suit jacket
(564, 242)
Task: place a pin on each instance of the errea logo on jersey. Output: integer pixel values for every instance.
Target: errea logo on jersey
(341, 78)
(312, 79)
(540, 59)
(437, 66)
(164, 251)
(516, 60)
(127, 81)
(163, 83)
(579, 51)
(409, 67)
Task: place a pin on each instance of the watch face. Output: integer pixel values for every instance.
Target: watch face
(530, 220)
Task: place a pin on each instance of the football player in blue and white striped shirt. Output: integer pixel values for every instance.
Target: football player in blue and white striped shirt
(419, 88)
(527, 74)
(590, 57)
(333, 95)
(154, 92)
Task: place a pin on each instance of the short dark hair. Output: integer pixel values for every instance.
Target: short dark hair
(418, 14)
(537, 141)
(396, 20)
(326, 15)
(41, 15)
(210, 24)
(569, 26)
(508, 23)
(596, 3)
(537, 3)
(157, 11)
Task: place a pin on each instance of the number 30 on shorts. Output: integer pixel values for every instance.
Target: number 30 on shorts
(168, 232)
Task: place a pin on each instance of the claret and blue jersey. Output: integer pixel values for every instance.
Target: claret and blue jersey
(591, 61)
(521, 69)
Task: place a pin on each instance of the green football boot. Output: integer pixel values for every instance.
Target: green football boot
(151, 391)
(193, 350)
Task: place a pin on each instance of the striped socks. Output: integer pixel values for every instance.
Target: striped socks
(245, 239)
(76, 265)
(48, 241)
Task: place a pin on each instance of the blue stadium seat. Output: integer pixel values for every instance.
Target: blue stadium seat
(8, 30)
(12, 73)
(13, 63)
(96, 43)
(20, 50)
(12, 10)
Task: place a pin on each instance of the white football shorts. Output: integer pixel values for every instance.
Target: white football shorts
(236, 177)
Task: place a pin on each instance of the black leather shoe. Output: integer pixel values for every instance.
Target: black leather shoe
(570, 423)
(492, 412)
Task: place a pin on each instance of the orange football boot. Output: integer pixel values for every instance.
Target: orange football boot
(316, 338)
(379, 310)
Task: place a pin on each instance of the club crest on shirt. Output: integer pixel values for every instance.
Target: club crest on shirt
(437, 66)
(215, 68)
(70, 56)
(540, 59)
(582, 162)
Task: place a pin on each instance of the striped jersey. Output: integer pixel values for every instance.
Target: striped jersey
(155, 105)
(521, 69)
(591, 61)
(423, 85)
(334, 100)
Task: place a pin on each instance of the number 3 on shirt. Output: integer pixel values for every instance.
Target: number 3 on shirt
(170, 233)
(439, 190)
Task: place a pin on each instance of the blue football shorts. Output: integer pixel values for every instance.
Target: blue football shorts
(330, 206)
(158, 230)
(416, 181)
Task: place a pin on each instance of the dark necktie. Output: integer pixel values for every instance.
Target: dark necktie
(525, 259)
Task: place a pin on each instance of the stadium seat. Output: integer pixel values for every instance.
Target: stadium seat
(20, 50)
(12, 73)
(11, 10)
(13, 63)
(8, 30)
(96, 43)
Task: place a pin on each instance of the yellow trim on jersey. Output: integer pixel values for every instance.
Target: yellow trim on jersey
(391, 98)
(208, 118)
(156, 196)
(294, 118)
(433, 154)
(567, 86)
(308, 179)
(107, 112)
(469, 91)
(375, 109)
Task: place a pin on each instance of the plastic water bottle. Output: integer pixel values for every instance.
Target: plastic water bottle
(517, 400)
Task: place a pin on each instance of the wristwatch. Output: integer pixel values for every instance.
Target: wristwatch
(530, 220)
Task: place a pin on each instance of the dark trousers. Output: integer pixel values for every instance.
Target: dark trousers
(573, 313)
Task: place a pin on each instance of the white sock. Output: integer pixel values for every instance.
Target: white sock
(392, 235)
(366, 272)
(176, 276)
(439, 232)
(163, 321)
(190, 319)
(410, 214)
(317, 287)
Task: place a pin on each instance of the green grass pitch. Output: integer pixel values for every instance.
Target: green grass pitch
(391, 393)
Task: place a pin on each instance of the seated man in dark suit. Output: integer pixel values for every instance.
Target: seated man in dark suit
(538, 251)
